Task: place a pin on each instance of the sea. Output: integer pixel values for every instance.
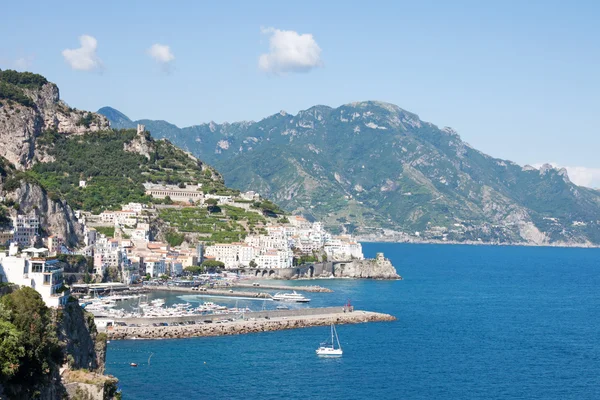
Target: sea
(473, 322)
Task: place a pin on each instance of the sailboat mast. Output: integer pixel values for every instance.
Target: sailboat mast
(337, 338)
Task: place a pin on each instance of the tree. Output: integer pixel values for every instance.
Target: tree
(164, 277)
(10, 349)
(168, 200)
(30, 315)
(194, 269)
(253, 264)
(213, 265)
(212, 202)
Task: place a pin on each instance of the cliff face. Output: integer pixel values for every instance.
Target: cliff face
(77, 331)
(20, 124)
(56, 216)
(378, 268)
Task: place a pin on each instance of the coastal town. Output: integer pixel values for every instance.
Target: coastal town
(119, 246)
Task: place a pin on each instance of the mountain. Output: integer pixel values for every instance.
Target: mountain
(378, 171)
(54, 159)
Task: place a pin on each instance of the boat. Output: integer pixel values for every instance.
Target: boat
(133, 364)
(328, 350)
(291, 297)
(282, 307)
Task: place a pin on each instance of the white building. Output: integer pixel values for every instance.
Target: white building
(155, 267)
(135, 207)
(140, 234)
(273, 259)
(231, 254)
(343, 249)
(189, 193)
(89, 237)
(26, 229)
(45, 276)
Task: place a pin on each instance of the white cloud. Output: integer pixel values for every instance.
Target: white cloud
(161, 53)
(582, 176)
(84, 58)
(289, 51)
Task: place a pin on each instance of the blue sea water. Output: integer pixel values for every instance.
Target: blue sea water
(474, 322)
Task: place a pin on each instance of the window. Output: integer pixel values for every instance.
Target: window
(36, 267)
(47, 279)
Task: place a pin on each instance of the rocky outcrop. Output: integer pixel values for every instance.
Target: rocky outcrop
(141, 144)
(21, 124)
(56, 216)
(378, 268)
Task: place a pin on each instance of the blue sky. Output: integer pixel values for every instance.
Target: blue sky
(517, 81)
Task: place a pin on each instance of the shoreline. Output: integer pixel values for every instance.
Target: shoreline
(252, 323)
(473, 243)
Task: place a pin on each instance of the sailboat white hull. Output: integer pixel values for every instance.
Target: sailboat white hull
(329, 352)
(326, 350)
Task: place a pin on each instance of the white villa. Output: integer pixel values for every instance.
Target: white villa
(32, 269)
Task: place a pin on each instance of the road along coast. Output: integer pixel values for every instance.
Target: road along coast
(264, 321)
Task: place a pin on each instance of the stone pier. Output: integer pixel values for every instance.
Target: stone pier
(265, 321)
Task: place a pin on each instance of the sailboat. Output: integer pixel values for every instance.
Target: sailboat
(329, 350)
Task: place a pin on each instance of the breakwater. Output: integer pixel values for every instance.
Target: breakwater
(311, 288)
(264, 321)
(206, 291)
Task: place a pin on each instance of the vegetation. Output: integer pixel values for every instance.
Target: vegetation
(23, 79)
(12, 84)
(29, 345)
(108, 231)
(229, 224)
(212, 265)
(16, 94)
(113, 175)
(408, 176)
(174, 238)
(194, 269)
(86, 120)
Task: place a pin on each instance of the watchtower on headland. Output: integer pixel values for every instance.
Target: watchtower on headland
(141, 129)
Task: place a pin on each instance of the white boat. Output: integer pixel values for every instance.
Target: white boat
(328, 350)
(291, 297)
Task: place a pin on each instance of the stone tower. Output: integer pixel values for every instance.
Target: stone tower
(140, 129)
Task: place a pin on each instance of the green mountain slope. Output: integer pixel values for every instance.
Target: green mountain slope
(372, 168)
(54, 159)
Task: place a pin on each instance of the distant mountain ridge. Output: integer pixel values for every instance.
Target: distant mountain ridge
(376, 170)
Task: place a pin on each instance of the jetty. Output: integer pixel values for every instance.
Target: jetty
(311, 288)
(252, 322)
(221, 291)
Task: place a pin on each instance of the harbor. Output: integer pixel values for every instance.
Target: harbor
(251, 322)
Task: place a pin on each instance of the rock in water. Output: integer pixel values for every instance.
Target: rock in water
(378, 268)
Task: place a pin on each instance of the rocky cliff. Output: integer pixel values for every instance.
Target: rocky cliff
(31, 107)
(377, 268)
(56, 216)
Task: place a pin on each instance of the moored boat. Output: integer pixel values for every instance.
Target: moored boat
(291, 297)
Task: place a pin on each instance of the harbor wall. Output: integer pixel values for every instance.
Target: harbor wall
(216, 317)
(246, 326)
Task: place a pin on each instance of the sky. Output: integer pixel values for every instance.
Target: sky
(517, 80)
